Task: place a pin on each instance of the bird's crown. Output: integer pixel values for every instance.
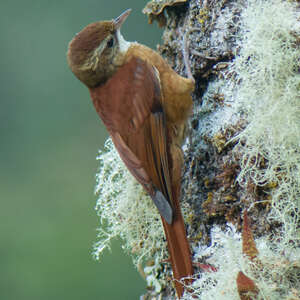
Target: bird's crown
(91, 53)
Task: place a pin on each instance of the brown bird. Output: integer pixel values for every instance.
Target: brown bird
(144, 105)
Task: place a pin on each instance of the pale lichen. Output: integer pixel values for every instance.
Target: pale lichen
(277, 277)
(126, 211)
(265, 85)
(263, 88)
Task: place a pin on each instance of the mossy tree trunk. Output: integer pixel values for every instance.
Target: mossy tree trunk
(208, 33)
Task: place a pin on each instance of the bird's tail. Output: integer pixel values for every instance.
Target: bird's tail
(178, 246)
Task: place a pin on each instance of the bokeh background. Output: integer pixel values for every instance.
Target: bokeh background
(50, 136)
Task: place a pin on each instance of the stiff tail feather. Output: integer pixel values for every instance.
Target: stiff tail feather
(178, 246)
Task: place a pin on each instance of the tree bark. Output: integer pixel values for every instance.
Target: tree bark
(205, 32)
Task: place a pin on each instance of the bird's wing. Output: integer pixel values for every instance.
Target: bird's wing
(130, 106)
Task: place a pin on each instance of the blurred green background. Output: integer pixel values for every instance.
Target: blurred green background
(50, 136)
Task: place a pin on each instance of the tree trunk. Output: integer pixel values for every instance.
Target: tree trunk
(241, 155)
(242, 150)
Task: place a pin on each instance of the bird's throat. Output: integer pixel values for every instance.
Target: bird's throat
(123, 44)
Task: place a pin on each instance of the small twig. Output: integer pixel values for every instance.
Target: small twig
(186, 52)
(195, 52)
(186, 55)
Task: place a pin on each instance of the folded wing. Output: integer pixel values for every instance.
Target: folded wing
(130, 106)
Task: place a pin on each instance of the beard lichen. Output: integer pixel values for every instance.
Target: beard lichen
(126, 211)
(263, 86)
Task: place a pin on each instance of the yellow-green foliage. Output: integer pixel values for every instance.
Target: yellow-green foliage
(126, 211)
(264, 88)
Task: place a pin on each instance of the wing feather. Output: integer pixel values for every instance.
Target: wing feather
(130, 106)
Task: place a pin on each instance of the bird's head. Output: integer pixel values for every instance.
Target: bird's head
(97, 51)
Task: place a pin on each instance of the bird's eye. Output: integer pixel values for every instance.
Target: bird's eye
(110, 43)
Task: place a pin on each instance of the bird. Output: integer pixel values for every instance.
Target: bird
(144, 104)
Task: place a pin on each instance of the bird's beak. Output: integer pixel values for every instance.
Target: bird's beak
(121, 19)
